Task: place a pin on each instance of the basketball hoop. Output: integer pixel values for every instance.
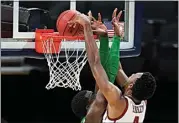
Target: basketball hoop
(62, 73)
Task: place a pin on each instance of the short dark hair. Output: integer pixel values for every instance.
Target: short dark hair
(80, 103)
(144, 87)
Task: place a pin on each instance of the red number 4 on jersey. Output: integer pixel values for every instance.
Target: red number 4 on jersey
(136, 119)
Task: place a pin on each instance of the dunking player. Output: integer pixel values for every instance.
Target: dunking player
(109, 59)
(127, 107)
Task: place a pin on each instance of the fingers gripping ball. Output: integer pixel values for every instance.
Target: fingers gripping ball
(63, 26)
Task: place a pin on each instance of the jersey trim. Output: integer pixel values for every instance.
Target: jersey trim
(134, 101)
(119, 117)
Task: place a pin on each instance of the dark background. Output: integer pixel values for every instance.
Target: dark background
(25, 99)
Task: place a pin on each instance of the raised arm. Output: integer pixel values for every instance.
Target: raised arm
(111, 92)
(100, 30)
(108, 58)
(121, 77)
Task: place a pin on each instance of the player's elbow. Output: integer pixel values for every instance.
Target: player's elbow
(106, 89)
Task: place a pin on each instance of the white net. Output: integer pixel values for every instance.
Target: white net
(64, 72)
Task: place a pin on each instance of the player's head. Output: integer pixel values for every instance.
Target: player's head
(141, 86)
(81, 102)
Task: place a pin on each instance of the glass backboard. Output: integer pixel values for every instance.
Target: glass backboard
(22, 42)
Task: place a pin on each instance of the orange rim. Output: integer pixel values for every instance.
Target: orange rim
(42, 35)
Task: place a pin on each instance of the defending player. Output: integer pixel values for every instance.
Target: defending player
(129, 107)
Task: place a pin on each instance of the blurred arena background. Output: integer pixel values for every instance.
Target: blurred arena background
(24, 97)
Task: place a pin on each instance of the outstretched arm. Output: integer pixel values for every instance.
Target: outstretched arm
(110, 92)
(104, 53)
(109, 59)
(100, 30)
(121, 77)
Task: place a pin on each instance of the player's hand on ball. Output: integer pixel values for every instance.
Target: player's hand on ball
(81, 19)
(118, 27)
(97, 26)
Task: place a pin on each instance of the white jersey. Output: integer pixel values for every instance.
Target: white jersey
(132, 113)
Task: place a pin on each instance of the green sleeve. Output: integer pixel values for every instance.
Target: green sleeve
(83, 120)
(110, 58)
(113, 59)
(104, 50)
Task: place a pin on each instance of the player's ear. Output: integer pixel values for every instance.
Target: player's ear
(129, 92)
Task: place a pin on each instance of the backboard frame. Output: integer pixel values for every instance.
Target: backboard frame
(127, 49)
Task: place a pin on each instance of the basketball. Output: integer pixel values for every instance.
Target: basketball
(62, 23)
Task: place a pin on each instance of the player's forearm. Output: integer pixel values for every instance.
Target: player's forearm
(91, 47)
(109, 90)
(121, 78)
(104, 53)
(94, 59)
(113, 59)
